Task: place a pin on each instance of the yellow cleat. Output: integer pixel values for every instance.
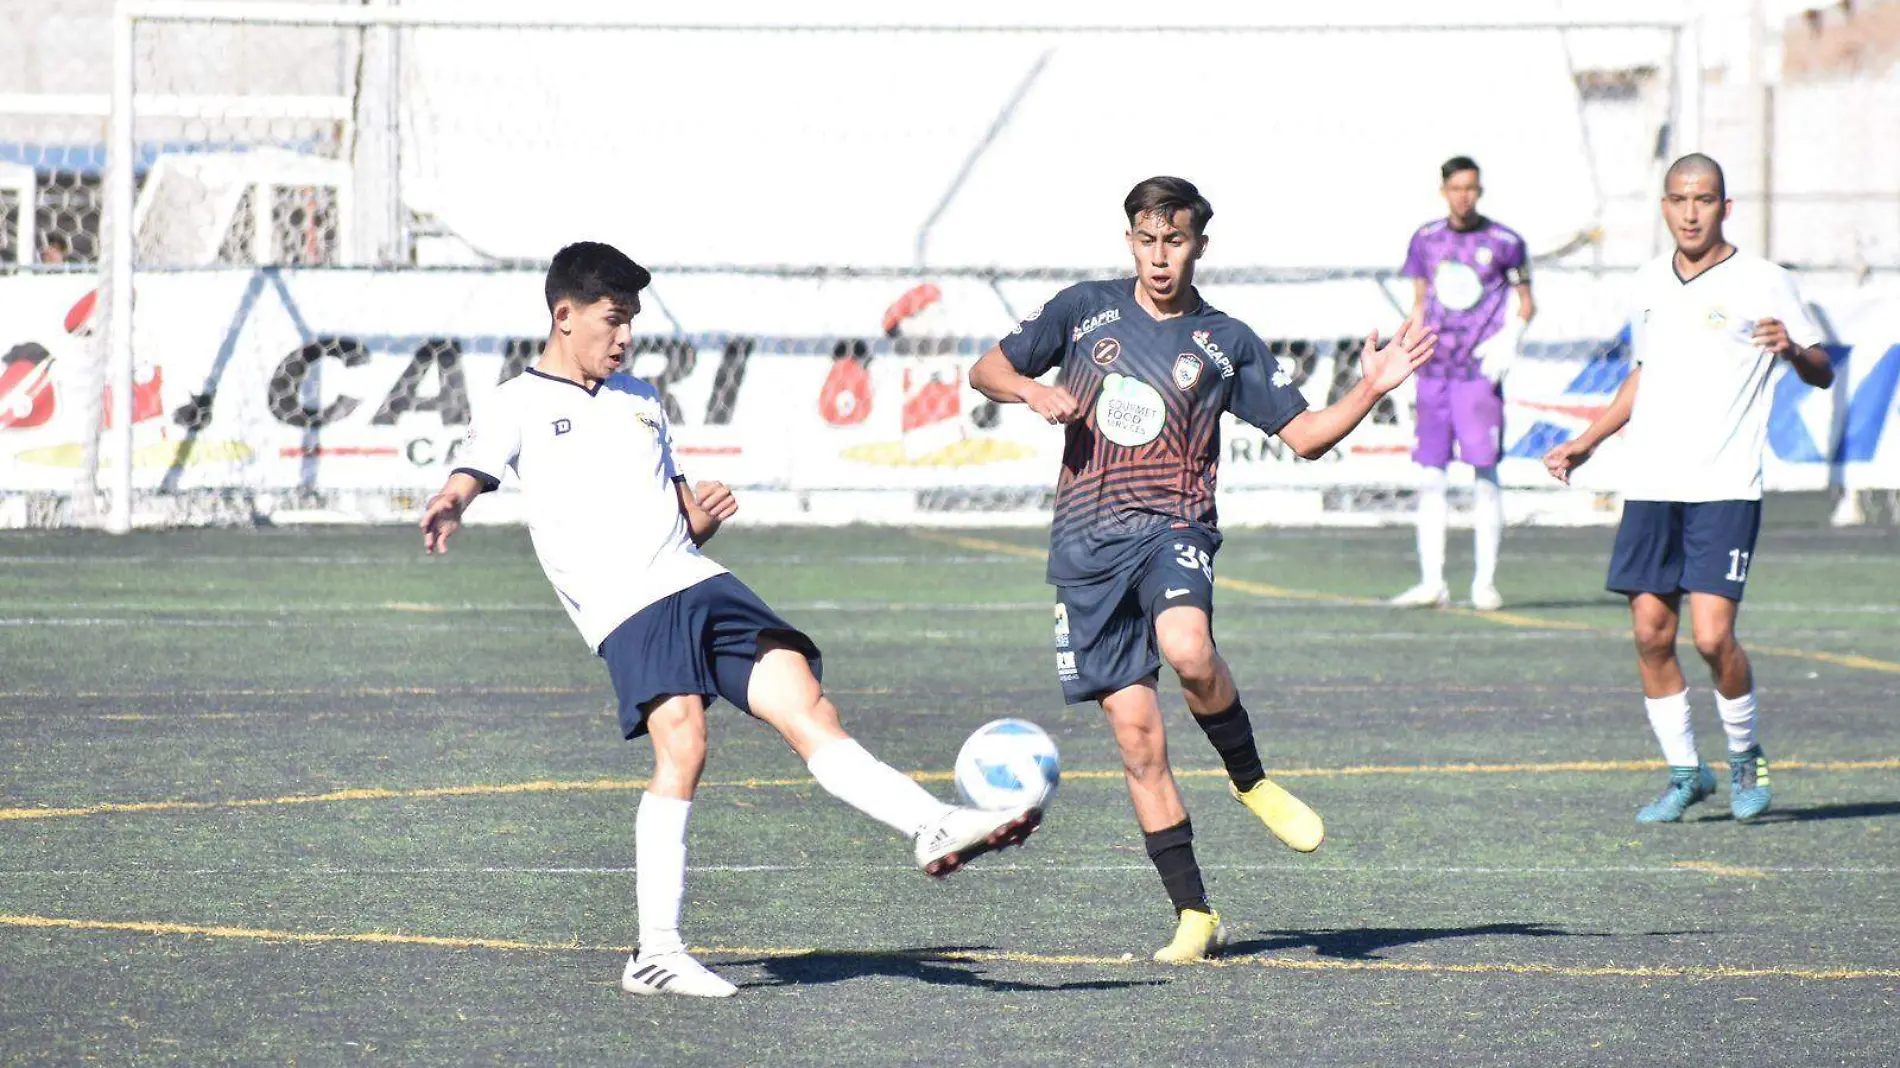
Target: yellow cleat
(1288, 817)
(1199, 937)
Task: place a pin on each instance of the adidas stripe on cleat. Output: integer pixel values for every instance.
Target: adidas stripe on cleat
(673, 973)
(1686, 787)
(967, 833)
(1749, 794)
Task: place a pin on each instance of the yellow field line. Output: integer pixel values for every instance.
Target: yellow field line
(541, 786)
(1503, 619)
(1720, 869)
(963, 956)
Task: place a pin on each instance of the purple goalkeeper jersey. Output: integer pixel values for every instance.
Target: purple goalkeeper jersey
(1468, 275)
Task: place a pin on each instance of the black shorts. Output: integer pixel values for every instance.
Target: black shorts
(703, 639)
(1105, 634)
(1666, 547)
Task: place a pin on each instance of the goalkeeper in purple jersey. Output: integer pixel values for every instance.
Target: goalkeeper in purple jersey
(1147, 367)
(1462, 269)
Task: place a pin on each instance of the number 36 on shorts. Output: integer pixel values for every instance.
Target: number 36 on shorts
(1194, 558)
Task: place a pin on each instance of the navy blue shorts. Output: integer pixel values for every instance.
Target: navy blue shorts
(703, 639)
(1666, 547)
(1105, 634)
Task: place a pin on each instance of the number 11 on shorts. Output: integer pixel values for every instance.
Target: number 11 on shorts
(1737, 566)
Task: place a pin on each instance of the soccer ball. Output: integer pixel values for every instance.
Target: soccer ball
(1008, 763)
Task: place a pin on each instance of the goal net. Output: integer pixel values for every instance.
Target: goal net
(318, 234)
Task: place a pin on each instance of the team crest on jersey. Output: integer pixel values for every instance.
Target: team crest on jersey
(1105, 351)
(1187, 370)
(1095, 322)
(562, 426)
(1205, 341)
(1027, 319)
(1716, 319)
(1483, 255)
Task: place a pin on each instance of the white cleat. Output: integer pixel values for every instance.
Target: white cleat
(1424, 595)
(1486, 598)
(967, 833)
(673, 973)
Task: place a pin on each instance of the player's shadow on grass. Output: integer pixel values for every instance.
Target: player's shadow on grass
(1366, 943)
(1855, 810)
(935, 965)
(1605, 600)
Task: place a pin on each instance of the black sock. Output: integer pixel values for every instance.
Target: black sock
(1232, 735)
(1172, 850)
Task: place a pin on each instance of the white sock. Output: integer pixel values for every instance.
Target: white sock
(1487, 526)
(874, 788)
(1433, 513)
(659, 879)
(1738, 719)
(1669, 718)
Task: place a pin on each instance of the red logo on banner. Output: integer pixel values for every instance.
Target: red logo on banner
(26, 388)
(845, 399)
(148, 399)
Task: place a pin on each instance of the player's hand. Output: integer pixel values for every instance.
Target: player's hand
(1384, 367)
(1053, 403)
(1565, 458)
(440, 519)
(1772, 335)
(716, 500)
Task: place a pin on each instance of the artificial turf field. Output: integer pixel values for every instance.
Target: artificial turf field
(305, 796)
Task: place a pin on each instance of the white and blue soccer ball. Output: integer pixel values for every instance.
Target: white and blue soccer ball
(1008, 763)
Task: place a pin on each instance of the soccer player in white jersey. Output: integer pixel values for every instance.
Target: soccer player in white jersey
(1463, 268)
(1707, 324)
(618, 533)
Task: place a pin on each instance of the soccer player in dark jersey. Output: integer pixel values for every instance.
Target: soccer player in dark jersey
(1147, 368)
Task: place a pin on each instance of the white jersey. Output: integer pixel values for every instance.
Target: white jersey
(598, 472)
(1700, 421)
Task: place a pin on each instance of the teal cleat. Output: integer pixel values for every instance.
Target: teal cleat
(1748, 792)
(1686, 787)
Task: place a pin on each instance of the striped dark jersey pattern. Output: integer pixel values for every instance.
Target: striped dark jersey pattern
(1142, 456)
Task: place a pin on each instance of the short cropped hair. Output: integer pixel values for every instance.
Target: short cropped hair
(1166, 196)
(1454, 165)
(587, 271)
(1697, 162)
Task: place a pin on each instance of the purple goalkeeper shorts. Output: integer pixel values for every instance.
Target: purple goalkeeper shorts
(1467, 411)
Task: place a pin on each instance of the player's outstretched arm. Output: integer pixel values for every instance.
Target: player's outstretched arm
(995, 378)
(1382, 368)
(1572, 454)
(442, 516)
(706, 506)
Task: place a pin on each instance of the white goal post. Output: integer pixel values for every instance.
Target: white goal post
(332, 218)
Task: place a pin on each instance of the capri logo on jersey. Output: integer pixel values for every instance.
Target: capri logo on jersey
(1205, 341)
(1129, 412)
(1105, 351)
(562, 426)
(1095, 322)
(1187, 370)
